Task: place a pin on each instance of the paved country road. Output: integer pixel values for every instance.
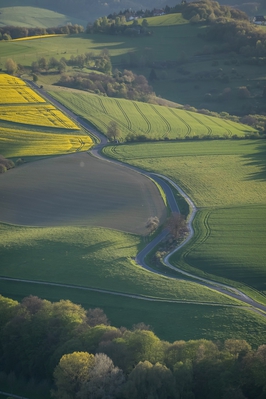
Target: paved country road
(166, 184)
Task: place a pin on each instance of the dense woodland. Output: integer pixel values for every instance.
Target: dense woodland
(78, 354)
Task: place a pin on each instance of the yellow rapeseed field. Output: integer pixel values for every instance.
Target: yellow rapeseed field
(36, 115)
(23, 143)
(6, 80)
(16, 95)
(35, 37)
(20, 104)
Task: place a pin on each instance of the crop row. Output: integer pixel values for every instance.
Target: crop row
(45, 115)
(153, 121)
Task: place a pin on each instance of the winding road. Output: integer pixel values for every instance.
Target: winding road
(166, 185)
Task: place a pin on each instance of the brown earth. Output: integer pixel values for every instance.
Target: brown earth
(79, 189)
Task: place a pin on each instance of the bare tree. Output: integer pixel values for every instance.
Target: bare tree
(177, 225)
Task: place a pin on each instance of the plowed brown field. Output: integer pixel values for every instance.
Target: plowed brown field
(79, 189)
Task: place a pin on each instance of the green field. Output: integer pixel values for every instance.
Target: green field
(169, 321)
(153, 121)
(227, 181)
(32, 17)
(103, 259)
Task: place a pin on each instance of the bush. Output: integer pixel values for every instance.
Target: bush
(3, 169)
(7, 163)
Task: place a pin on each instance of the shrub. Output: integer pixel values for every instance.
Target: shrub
(3, 169)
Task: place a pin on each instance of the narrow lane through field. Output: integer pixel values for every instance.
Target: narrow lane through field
(166, 184)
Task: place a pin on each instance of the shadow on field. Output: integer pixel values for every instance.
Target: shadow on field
(257, 158)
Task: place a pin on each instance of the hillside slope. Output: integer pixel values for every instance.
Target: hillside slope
(35, 17)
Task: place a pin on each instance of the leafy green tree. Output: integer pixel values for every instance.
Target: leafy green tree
(71, 373)
(150, 381)
(105, 380)
(8, 308)
(113, 131)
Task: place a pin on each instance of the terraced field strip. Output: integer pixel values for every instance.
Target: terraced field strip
(39, 115)
(18, 94)
(23, 143)
(10, 80)
(152, 120)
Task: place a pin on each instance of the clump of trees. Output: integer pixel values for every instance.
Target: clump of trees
(118, 26)
(124, 84)
(77, 354)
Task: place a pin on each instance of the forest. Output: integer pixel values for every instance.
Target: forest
(76, 353)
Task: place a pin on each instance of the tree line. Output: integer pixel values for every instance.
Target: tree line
(16, 32)
(80, 355)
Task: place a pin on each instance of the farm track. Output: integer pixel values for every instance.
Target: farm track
(219, 287)
(209, 130)
(143, 116)
(183, 121)
(122, 294)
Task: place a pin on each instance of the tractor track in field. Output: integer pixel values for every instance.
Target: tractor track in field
(218, 124)
(183, 121)
(140, 258)
(143, 116)
(209, 130)
(129, 124)
(168, 126)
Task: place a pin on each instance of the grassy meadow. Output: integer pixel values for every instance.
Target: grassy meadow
(153, 121)
(226, 180)
(32, 17)
(170, 321)
(103, 259)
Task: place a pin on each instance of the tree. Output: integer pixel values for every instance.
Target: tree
(113, 131)
(105, 380)
(177, 225)
(71, 373)
(150, 381)
(96, 316)
(152, 224)
(11, 66)
(152, 75)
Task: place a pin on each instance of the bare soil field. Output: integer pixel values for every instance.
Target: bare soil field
(79, 189)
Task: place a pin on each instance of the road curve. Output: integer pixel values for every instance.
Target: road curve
(165, 183)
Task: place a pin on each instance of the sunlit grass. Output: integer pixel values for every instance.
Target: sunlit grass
(90, 257)
(153, 121)
(227, 179)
